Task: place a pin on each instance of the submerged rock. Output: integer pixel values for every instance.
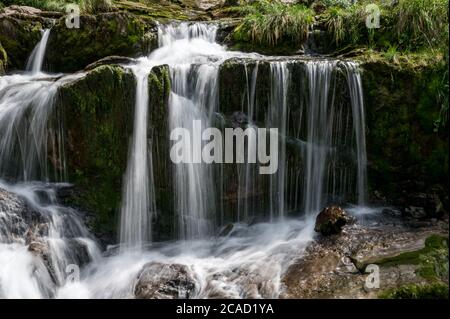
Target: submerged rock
(165, 281)
(331, 220)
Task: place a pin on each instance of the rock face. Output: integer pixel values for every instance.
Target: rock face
(401, 103)
(165, 281)
(331, 220)
(99, 36)
(12, 223)
(19, 33)
(98, 111)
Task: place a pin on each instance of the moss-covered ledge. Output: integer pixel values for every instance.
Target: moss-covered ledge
(101, 35)
(18, 36)
(98, 113)
(98, 121)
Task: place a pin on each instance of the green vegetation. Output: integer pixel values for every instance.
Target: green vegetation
(87, 6)
(408, 24)
(433, 291)
(271, 22)
(432, 261)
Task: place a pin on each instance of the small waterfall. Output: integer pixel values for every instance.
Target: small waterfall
(319, 134)
(36, 59)
(25, 109)
(193, 98)
(39, 240)
(357, 102)
(247, 171)
(138, 204)
(278, 109)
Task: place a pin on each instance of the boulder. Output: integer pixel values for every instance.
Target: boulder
(165, 281)
(331, 220)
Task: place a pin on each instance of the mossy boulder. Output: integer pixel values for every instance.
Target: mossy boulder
(99, 36)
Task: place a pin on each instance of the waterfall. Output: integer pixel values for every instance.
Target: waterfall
(319, 133)
(26, 104)
(278, 109)
(193, 97)
(138, 204)
(39, 240)
(247, 171)
(36, 59)
(357, 102)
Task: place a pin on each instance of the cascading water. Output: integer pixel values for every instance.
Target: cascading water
(319, 132)
(36, 59)
(138, 204)
(357, 101)
(250, 260)
(39, 239)
(279, 77)
(26, 102)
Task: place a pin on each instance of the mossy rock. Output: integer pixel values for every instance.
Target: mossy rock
(98, 119)
(18, 37)
(98, 114)
(406, 153)
(99, 36)
(3, 60)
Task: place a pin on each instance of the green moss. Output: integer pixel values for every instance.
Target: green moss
(402, 107)
(432, 259)
(98, 113)
(99, 36)
(18, 38)
(3, 60)
(433, 291)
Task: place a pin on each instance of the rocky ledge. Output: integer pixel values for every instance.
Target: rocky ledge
(378, 256)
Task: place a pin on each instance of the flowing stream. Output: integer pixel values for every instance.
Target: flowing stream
(246, 261)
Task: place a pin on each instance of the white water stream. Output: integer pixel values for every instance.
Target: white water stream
(249, 262)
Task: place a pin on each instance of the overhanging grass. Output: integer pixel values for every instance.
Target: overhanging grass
(271, 22)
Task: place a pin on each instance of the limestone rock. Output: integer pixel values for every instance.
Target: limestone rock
(165, 281)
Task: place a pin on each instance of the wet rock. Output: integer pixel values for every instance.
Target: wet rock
(165, 281)
(12, 224)
(19, 33)
(99, 36)
(114, 59)
(335, 267)
(331, 220)
(226, 230)
(415, 212)
(36, 244)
